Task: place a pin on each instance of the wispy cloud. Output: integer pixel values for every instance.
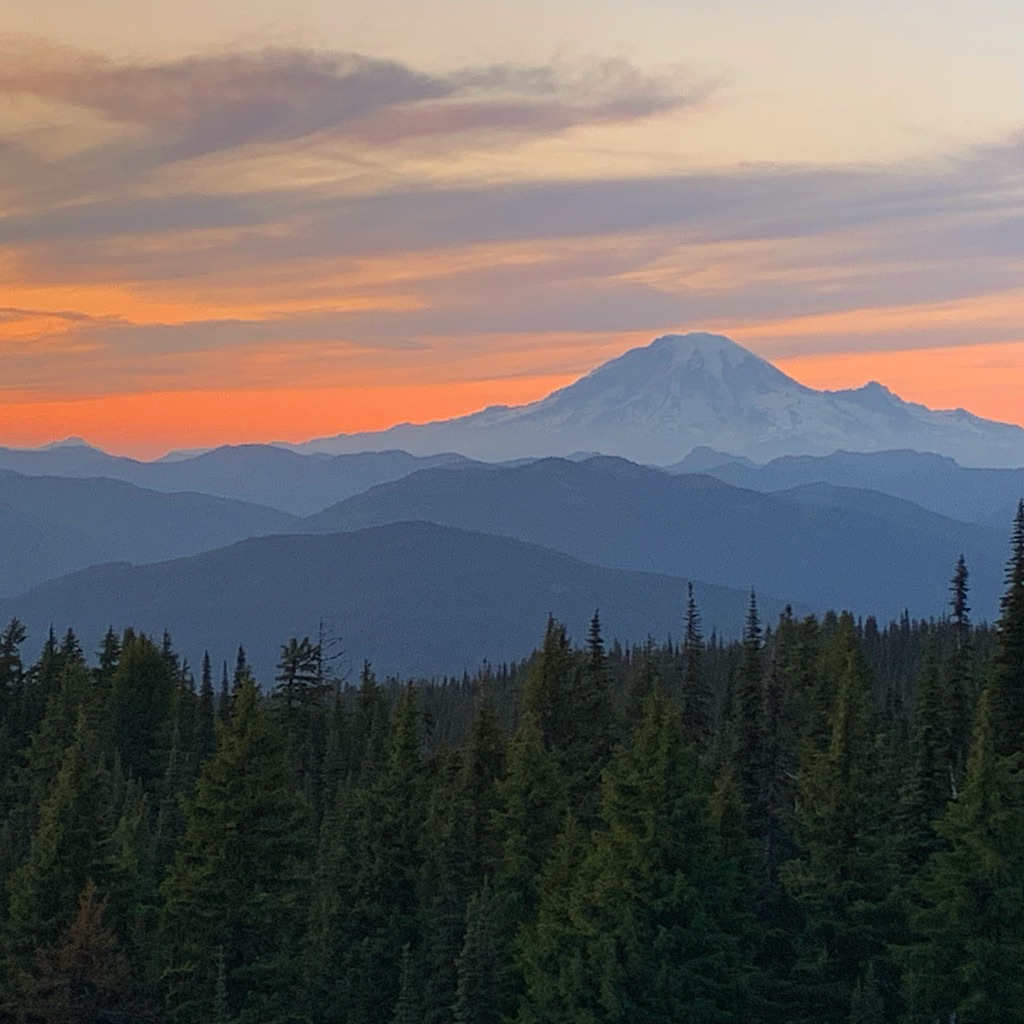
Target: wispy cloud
(114, 256)
(210, 104)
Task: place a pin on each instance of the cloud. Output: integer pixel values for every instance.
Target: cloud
(326, 265)
(197, 106)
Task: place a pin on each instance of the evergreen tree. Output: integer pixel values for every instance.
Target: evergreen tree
(928, 787)
(557, 984)
(482, 971)
(206, 733)
(968, 910)
(383, 903)
(647, 926)
(695, 696)
(958, 673)
(67, 849)
(87, 978)
(747, 715)
(142, 694)
(840, 878)
(109, 657)
(570, 701)
(238, 884)
(1008, 681)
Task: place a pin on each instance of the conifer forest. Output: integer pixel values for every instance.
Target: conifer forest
(819, 823)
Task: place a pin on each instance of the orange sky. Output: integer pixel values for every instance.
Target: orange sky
(146, 425)
(213, 236)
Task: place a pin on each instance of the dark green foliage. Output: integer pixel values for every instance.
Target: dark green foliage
(642, 923)
(87, 978)
(1008, 678)
(968, 902)
(142, 690)
(793, 829)
(839, 876)
(482, 967)
(236, 889)
(696, 699)
(66, 851)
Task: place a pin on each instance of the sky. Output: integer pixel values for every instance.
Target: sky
(226, 221)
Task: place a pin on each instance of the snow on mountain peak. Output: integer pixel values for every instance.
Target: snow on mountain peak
(658, 402)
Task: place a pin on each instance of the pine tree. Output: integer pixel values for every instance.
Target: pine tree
(238, 881)
(206, 733)
(482, 971)
(67, 849)
(644, 923)
(384, 894)
(958, 673)
(142, 692)
(569, 698)
(1008, 681)
(109, 656)
(840, 877)
(445, 884)
(747, 715)
(87, 978)
(968, 910)
(695, 696)
(558, 985)
(928, 788)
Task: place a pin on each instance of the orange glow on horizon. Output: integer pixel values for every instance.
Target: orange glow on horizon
(987, 380)
(146, 425)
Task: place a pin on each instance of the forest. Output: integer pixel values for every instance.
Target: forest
(818, 823)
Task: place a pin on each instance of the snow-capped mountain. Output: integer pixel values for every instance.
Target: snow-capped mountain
(657, 403)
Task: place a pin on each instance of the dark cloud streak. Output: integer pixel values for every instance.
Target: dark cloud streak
(212, 104)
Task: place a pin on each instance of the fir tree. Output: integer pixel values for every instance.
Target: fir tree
(840, 877)
(968, 909)
(695, 697)
(87, 978)
(958, 673)
(238, 881)
(482, 971)
(67, 849)
(1008, 680)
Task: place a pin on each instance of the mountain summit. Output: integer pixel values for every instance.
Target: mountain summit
(657, 403)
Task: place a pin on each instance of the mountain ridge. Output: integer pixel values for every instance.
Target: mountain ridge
(827, 547)
(473, 597)
(656, 403)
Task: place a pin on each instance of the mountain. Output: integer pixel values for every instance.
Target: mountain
(824, 547)
(32, 549)
(412, 598)
(655, 404)
(50, 526)
(283, 479)
(257, 473)
(935, 482)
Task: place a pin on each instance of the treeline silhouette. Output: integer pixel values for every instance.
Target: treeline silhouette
(820, 823)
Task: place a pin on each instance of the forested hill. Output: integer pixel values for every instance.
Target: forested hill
(818, 824)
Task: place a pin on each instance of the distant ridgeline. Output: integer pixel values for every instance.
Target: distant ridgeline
(821, 821)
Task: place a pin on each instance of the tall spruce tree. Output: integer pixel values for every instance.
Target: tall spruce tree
(958, 673)
(1008, 680)
(695, 697)
(68, 849)
(968, 908)
(481, 968)
(839, 878)
(644, 923)
(237, 887)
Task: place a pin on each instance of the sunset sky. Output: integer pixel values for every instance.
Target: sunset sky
(226, 221)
